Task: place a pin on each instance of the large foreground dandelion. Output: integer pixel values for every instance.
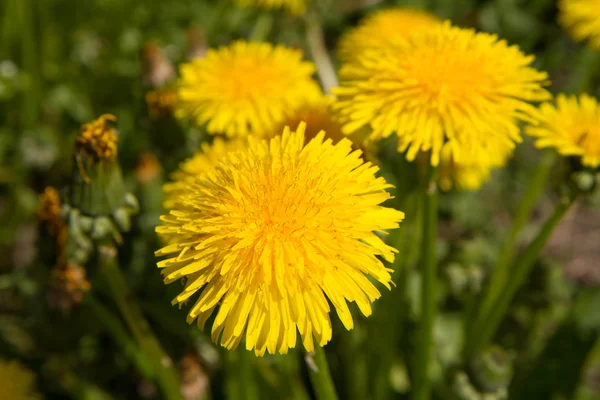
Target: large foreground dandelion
(244, 88)
(16, 381)
(444, 86)
(272, 233)
(384, 27)
(582, 19)
(572, 127)
(296, 7)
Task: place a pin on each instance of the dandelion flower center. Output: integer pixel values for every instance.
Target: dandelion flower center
(274, 231)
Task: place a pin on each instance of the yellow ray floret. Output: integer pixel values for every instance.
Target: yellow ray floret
(204, 160)
(16, 381)
(443, 85)
(296, 7)
(244, 88)
(274, 232)
(572, 127)
(582, 19)
(384, 27)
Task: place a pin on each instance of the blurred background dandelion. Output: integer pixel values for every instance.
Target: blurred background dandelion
(441, 239)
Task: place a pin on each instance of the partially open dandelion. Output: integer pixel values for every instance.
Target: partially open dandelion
(317, 114)
(572, 127)
(582, 19)
(98, 139)
(203, 161)
(443, 85)
(16, 381)
(384, 27)
(244, 88)
(475, 167)
(296, 7)
(272, 233)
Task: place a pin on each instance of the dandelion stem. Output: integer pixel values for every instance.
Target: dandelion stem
(132, 314)
(421, 379)
(502, 271)
(247, 366)
(320, 376)
(316, 43)
(262, 27)
(520, 272)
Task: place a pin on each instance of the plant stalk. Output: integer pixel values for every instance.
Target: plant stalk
(320, 376)
(316, 42)
(502, 271)
(422, 382)
(166, 375)
(520, 272)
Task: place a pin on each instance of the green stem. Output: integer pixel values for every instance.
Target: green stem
(118, 332)
(421, 378)
(502, 271)
(316, 42)
(320, 376)
(248, 388)
(520, 272)
(165, 373)
(262, 27)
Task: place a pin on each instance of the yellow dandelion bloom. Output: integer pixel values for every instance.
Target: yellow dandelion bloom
(204, 160)
(245, 88)
(296, 7)
(317, 114)
(572, 127)
(445, 84)
(98, 139)
(475, 167)
(16, 381)
(274, 232)
(582, 19)
(384, 27)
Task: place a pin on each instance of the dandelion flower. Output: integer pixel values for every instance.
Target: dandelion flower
(317, 114)
(245, 88)
(275, 231)
(384, 27)
(442, 85)
(572, 127)
(295, 7)
(475, 167)
(16, 381)
(582, 19)
(204, 160)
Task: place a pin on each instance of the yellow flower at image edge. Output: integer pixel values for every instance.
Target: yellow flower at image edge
(273, 232)
(384, 27)
(444, 86)
(572, 127)
(296, 7)
(582, 19)
(244, 88)
(16, 381)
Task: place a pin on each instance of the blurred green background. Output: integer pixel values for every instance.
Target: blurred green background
(65, 62)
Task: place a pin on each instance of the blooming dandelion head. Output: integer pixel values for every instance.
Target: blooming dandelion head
(384, 27)
(272, 233)
(582, 19)
(316, 113)
(16, 381)
(572, 127)
(444, 85)
(204, 160)
(244, 88)
(475, 166)
(295, 7)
